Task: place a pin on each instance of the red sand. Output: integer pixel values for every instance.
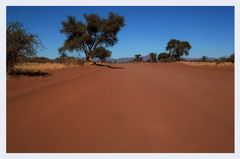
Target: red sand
(141, 108)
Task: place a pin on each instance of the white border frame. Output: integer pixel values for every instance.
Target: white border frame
(4, 3)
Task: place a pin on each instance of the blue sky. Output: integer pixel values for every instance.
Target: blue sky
(210, 30)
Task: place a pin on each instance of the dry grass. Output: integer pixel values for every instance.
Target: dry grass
(206, 63)
(41, 67)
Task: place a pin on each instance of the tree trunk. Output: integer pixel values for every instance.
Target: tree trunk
(88, 58)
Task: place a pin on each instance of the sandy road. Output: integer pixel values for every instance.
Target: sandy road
(141, 108)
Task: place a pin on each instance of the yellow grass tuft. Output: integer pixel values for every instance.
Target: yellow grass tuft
(206, 63)
(40, 67)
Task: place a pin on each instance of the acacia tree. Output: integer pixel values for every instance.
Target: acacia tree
(63, 55)
(178, 48)
(138, 57)
(102, 53)
(91, 34)
(20, 43)
(153, 57)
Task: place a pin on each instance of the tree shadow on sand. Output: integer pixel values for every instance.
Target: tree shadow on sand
(112, 67)
(17, 73)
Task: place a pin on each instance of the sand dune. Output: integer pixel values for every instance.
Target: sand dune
(133, 108)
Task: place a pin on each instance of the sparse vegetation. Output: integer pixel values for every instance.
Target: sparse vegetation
(138, 58)
(91, 37)
(88, 36)
(222, 60)
(199, 63)
(231, 58)
(204, 58)
(225, 59)
(164, 57)
(153, 57)
(20, 43)
(44, 67)
(68, 60)
(37, 69)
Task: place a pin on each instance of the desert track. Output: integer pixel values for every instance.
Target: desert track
(136, 108)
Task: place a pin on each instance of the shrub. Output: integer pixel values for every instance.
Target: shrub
(231, 58)
(153, 57)
(221, 60)
(20, 44)
(164, 57)
(204, 59)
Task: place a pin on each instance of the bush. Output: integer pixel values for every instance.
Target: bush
(221, 60)
(165, 57)
(204, 59)
(153, 57)
(231, 58)
(20, 44)
(70, 60)
(225, 59)
(167, 60)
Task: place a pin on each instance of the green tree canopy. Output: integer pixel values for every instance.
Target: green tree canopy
(63, 55)
(20, 43)
(102, 53)
(92, 33)
(178, 48)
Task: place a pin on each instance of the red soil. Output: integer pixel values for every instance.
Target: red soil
(141, 108)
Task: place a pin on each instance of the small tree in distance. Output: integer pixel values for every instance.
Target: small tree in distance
(138, 57)
(204, 58)
(92, 33)
(231, 58)
(153, 57)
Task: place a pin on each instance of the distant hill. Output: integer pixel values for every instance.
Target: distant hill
(113, 60)
(39, 59)
(196, 59)
(120, 60)
(126, 59)
(147, 57)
